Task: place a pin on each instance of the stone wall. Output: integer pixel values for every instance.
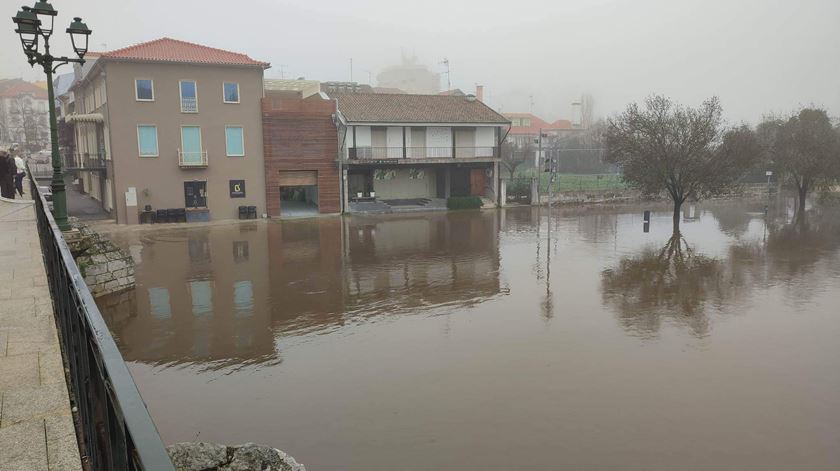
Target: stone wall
(201, 456)
(105, 267)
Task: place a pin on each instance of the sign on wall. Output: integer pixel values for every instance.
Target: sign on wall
(237, 188)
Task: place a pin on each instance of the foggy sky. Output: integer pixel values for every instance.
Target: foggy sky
(758, 56)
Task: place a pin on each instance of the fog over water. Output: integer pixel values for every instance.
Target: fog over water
(759, 56)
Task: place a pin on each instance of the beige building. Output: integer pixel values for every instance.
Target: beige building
(170, 125)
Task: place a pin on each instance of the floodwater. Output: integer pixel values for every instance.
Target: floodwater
(505, 340)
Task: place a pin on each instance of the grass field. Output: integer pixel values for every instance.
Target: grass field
(575, 182)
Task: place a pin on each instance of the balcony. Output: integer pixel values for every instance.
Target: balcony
(192, 159)
(189, 105)
(392, 153)
(87, 161)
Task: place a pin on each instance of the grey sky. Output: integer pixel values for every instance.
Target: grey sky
(759, 56)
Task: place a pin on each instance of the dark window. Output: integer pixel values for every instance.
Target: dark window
(195, 194)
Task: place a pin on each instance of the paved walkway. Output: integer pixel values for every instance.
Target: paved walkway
(36, 425)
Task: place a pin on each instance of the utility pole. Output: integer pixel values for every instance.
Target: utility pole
(448, 77)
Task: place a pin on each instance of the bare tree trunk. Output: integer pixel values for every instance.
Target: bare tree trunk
(803, 194)
(677, 215)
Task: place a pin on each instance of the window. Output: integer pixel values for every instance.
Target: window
(230, 92)
(144, 90)
(147, 141)
(195, 194)
(234, 141)
(189, 96)
(192, 153)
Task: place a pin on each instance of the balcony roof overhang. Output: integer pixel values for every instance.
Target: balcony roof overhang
(85, 118)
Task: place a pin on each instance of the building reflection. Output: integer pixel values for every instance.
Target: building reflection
(221, 296)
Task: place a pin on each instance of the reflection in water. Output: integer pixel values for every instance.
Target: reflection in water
(672, 282)
(497, 339)
(678, 284)
(306, 275)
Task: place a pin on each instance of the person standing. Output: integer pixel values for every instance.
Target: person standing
(7, 175)
(21, 171)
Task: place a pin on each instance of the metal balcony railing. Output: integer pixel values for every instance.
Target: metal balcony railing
(192, 159)
(85, 161)
(116, 431)
(189, 105)
(381, 153)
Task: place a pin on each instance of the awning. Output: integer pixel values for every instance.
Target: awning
(85, 118)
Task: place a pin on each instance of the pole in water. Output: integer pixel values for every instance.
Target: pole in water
(646, 225)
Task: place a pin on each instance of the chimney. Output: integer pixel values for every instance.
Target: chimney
(479, 92)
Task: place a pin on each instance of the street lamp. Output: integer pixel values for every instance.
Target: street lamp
(34, 24)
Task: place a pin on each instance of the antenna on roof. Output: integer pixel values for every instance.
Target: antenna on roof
(448, 76)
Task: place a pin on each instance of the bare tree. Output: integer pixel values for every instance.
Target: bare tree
(804, 151)
(513, 156)
(681, 150)
(28, 122)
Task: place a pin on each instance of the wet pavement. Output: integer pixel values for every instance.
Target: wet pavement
(509, 339)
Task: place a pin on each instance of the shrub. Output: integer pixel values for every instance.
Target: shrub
(463, 202)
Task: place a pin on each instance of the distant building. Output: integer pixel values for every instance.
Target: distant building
(525, 128)
(410, 77)
(345, 87)
(24, 115)
(306, 88)
(417, 148)
(172, 125)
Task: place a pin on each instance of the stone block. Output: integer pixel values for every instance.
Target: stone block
(62, 447)
(96, 269)
(23, 446)
(18, 371)
(22, 405)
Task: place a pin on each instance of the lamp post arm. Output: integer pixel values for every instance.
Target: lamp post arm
(64, 60)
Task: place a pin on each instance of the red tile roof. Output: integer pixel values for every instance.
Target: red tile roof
(15, 87)
(173, 50)
(537, 124)
(394, 108)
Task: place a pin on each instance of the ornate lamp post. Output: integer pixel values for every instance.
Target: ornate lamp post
(35, 25)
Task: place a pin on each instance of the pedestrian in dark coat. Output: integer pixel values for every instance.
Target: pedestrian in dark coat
(8, 169)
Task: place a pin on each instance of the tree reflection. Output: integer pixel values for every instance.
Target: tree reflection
(678, 285)
(673, 283)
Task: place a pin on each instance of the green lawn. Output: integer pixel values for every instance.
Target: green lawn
(574, 182)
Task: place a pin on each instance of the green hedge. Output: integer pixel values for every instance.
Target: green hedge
(463, 202)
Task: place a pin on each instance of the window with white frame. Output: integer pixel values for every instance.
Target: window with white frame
(234, 141)
(144, 90)
(147, 140)
(230, 92)
(189, 96)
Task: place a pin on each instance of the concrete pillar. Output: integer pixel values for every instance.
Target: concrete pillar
(448, 185)
(502, 193)
(535, 191)
(497, 187)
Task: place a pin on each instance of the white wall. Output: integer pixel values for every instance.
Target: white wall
(439, 136)
(402, 186)
(362, 136)
(394, 141)
(485, 137)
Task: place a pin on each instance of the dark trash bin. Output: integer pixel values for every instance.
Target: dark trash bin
(252, 212)
(177, 214)
(161, 216)
(243, 212)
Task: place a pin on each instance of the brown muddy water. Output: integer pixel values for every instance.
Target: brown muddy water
(508, 340)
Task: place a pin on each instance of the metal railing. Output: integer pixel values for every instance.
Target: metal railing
(189, 105)
(381, 153)
(116, 429)
(84, 161)
(192, 159)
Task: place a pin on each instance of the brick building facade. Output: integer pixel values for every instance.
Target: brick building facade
(300, 145)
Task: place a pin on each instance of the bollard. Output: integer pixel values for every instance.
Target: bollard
(647, 216)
